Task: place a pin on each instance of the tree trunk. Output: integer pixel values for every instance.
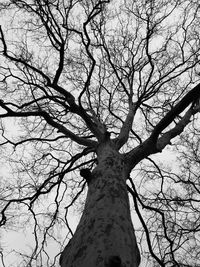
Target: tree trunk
(105, 236)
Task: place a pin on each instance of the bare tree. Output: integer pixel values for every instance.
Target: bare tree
(97, 88)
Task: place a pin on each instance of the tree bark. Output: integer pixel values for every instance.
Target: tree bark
(105, 236)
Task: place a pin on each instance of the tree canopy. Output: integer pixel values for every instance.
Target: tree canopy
(72, 71)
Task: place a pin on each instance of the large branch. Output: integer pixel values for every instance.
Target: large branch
(191, 97)
(126, 127)
(64, 130)
(153, 144)
(166, 138)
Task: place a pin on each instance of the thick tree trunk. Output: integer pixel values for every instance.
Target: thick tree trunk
(105, 236)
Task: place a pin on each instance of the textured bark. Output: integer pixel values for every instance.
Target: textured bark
(105, 236)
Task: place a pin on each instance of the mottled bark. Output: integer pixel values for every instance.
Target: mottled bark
(105, 236)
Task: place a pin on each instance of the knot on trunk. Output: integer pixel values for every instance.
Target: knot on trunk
(113, 261)
(86, 174)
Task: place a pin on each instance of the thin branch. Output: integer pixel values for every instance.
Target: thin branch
(50, 121)
(135, 196)
(19, 60)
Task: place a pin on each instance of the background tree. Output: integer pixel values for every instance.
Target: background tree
(97, 90)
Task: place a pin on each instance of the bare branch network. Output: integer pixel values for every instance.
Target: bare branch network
(87, 86)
